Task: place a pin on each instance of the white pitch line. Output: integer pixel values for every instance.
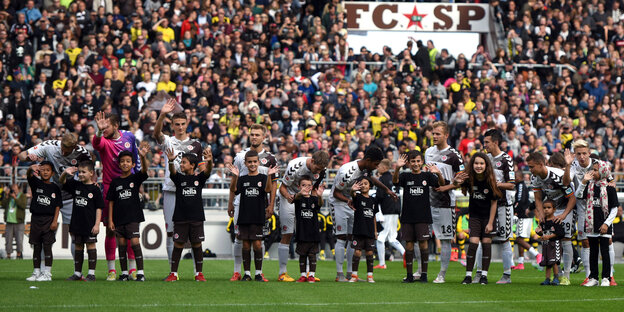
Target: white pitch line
(157, 305)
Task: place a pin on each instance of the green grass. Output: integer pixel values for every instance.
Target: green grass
(525, 294)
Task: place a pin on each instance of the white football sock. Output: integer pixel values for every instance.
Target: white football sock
(567, 257)
(533, 252)
(111, 265)
(169, 247)
(611, 257)
(237, 251)
(507, 255)
(445, 256)
(478, 258)
(340, 254)
(350, 252)
(282, 253)
(585, 259)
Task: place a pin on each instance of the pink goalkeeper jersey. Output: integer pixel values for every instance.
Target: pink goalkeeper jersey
(109, 149)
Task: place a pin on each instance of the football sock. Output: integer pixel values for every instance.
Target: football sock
(131, 255)
(42, 256)
(175, 259)
(124, 272)
(469, 273)
(170, 247)
(258, 256)
(478, 257)
(312, 263)
(138, 255)
(132, 263)
(247, 259)
(37, 256)
(248, 272)
(73, 247)
(567, 257)
(409, 261)
(311, 273)
(355, 263)
(445, 256)
(199, 259)
(350, 252)
(487, 256)
(585, 259)
(396, 245)
(48, 269)
(369, 263)
(282, 254)
(110, 247)
(78, 260)
(303, 260)
(140, 272)
(611, 257)
(417, 259)
(424, 260)
(193, 257)
(123, 258)
(484, 273)
(92, 254)
(237, 251)
(91, 272)
(520, 260)
(111, 265)
(47, 251)
(471, 256)
(258, 272)
(381, 252)
(533, 252)
(507, 255)
(340, 254)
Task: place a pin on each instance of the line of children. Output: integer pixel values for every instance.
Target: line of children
(550, 233)
(308, 203)
(364, 227)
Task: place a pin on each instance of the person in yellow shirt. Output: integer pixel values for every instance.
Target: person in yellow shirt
(380, 116)
(73, 51)
(168, 33)
(165, 84)
(60, 82)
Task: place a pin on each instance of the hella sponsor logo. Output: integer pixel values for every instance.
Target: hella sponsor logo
(368, 213)
(81, 201)
(189, 191)
(307, 214)
(125, 194)
(478, 196)
(416, 191)
(44, 200)
(252, 192)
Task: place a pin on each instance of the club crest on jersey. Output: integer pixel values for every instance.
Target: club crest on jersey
(284, 228)
(354, 243)
(90, 195)
(53, 195)
(342, 184)
(486, 191)
(131, 184)
(74, 162)
(425, 183)
(498, 164)
(263, 161)
(190, 147)
(339, 228)
(259, 184)
(127, 145)
(196, 183)
(287, 178)
(444, 158)
(176, 236)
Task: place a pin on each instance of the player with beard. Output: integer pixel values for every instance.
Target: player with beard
(450, 162)
(342, 207)
(181, 143)
(109, 141)
(62, 154)
(257, 135)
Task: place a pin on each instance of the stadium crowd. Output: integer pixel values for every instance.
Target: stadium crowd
(231, 64)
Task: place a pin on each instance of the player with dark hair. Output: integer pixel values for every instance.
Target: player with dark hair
(390, 210)
(450, 162)
(109, 141)
(479, 181)
(188, 215)
(257, 135)
(364, 227)
(548, 183)
(505, 178)
(416, 214)
(308, 202)
(341, 205)
(550, 233)
(253, 210)
(297, 168)
(181, 142)
(45, 206)
(86, 215)
(125, 211)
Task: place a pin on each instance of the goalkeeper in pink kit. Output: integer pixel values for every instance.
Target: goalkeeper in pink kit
(109, 141)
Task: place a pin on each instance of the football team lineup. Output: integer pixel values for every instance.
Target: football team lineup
(573, 199)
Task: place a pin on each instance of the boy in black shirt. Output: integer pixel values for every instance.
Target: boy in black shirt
(416, 215)
(308, 203)
(125, 212)
(253, 210)
(86, 215)
(45, 206)
(364, 227)
(188, 215)
(550, 233)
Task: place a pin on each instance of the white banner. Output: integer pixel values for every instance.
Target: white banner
(417, 16)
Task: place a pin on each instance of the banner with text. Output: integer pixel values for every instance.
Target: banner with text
(417, 16)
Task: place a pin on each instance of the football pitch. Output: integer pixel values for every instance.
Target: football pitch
(218, 293)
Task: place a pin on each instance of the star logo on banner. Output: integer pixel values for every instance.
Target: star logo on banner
(415, 18)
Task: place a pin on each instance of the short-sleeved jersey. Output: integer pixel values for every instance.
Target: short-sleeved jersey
(552, 187)
(253, 199)
(450, 162)
(189, 204)
(124, 192)
(345, 178)
(45, 197)
(110, 149)
(416, 204)
(179, 147)
(577, 172)
(306, 213)
(364, 215)
(295, 170)
(87, 199)
(266, 160)
(480, 201)
(51, 150)
(551, 227)
(504, 172)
